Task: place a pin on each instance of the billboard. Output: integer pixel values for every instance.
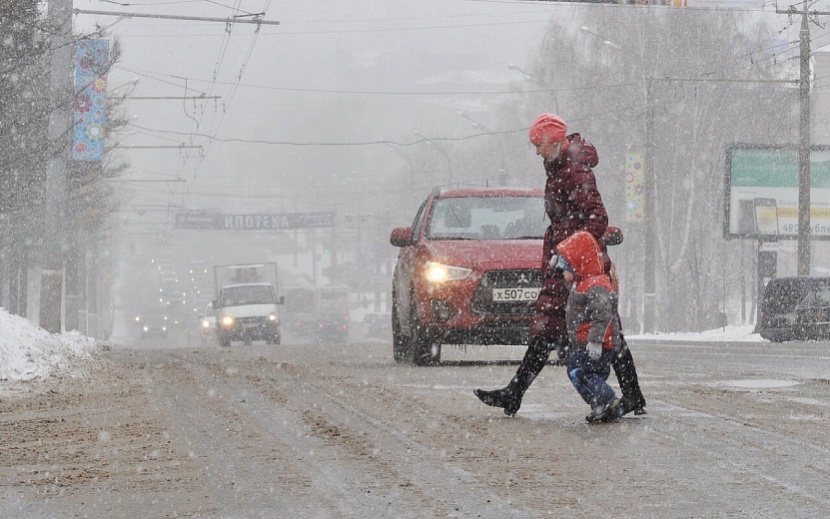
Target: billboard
(205, 220)
(761, 194)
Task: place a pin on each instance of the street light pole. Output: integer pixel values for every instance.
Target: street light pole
(650, 219)
(649, 195)
(443, 151)
(475, 123)
(502, 179)
(408, 161)
(538, 82)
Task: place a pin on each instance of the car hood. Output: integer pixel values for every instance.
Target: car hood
(487, 255)
(248, 310)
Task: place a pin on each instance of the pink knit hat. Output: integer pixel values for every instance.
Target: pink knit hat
(547, 128)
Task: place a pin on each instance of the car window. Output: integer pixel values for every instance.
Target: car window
(818, 296)
(416, 223)
(781, 296)
(487, 218)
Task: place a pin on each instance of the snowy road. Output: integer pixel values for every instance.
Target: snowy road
(733, 430)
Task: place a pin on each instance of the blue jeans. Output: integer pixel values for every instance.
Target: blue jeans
(589, 377)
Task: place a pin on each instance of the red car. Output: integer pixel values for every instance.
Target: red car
(468, 272)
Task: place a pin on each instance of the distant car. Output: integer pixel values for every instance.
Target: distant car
(468, 271)
(333, 327)
(812, 313)
(207, 326)
(795, 308)
(377, 326)
(153, 323)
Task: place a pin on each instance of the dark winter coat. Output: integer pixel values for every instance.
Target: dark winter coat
(572, 203)
(591, 311)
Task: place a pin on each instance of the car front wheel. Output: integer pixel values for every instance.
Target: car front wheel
(400, 343)
(425, 350)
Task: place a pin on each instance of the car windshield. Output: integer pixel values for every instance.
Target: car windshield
(154, 316)
(817, 297)
(488, 218)
(247, 295)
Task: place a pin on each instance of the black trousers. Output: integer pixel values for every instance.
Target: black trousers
(626, 373)
(538, 352)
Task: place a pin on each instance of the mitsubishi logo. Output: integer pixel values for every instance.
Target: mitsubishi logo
(523, 280)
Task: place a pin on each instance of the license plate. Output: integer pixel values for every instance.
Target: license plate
(515, 294)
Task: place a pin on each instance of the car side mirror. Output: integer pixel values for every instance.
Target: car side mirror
(213, 304)
(281, 300)
(401, 237)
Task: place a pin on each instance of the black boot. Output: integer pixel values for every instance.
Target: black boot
(626, 372)
(506, 397)
(638, 405)
(510, 397)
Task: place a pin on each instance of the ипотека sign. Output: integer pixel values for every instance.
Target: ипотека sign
(252, 222)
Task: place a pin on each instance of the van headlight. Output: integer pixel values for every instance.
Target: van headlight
(227, 320)
(438, 272)
(272, 318)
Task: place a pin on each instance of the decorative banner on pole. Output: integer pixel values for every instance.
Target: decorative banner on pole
(634, 187)
(90, 113)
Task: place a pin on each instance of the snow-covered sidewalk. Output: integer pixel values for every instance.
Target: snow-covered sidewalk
(727, 334)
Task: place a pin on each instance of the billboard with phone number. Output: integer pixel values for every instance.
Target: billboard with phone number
(761, 195)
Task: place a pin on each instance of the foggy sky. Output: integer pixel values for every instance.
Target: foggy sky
(332, 77)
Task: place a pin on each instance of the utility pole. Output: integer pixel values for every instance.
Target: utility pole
(804, 138)
(61, 90)
(59, 15)
(650, 220)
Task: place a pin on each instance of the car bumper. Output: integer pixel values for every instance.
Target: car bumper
(154, 333)
(820, 330)
(488, 331)
(249, 331)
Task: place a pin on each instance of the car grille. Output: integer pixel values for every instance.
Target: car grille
(520, 278)
(250, 320)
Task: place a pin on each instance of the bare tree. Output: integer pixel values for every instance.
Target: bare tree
(25, 149)
(710, 79)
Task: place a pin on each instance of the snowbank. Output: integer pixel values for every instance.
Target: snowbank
(28, 352)
(727, 334)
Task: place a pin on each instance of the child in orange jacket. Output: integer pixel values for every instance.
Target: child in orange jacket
(593, 323)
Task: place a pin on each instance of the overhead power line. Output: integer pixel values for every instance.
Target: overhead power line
(257, 18)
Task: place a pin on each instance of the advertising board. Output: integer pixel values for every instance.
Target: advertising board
(761, 194)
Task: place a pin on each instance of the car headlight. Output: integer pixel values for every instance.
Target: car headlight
(438, 272)
(227, 320)
(272, 318)
(205, 324)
